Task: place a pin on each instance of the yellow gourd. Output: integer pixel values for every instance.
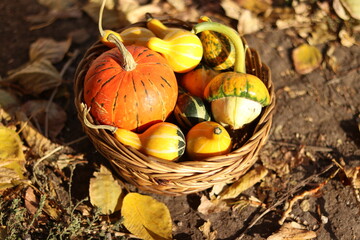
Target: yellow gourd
(196, 80)
(182, 49)
(158, 28)
(136, 35)
(207, 139)
(163, 140)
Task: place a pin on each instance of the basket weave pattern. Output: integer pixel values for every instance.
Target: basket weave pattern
(184, 177)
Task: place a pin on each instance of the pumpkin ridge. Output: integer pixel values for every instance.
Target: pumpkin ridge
(99, 91)
(97, 72)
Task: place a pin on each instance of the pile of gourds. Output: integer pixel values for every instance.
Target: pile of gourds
(156, 83)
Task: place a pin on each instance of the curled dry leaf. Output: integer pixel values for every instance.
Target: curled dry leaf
(146, 217)
(44, 113)
(12, 158)
(35, 77)
(211, 206)
(346, 39)
(105, 191)
(246, 181)
(292, 231)
(48, 48)
(306, 58)
(206, 231)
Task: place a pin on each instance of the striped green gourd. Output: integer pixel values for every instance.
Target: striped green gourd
(190, 110)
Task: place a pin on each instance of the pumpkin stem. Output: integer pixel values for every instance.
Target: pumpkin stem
(93, 126)
(234, 37)
(128, 63)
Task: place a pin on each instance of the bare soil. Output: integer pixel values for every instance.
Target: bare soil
(316, 117)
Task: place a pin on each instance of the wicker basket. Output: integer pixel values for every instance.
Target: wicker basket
(183, 177)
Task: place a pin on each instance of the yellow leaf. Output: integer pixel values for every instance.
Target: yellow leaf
(146, 217)
(245, 182)
(12, 158)
(105, 191)
(306, 58)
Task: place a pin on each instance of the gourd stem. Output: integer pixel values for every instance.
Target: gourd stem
(234, 37)
(93, 126)
(101, 30)
(128, 63)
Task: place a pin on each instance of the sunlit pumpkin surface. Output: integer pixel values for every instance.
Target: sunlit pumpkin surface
(131, 100)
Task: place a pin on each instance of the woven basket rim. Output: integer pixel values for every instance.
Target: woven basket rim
(154, 174)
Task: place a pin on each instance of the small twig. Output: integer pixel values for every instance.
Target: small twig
(283, 199)
(314, 148)
(62, 72)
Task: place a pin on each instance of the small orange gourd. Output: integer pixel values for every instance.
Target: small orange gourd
(196, 80)
(207, 139)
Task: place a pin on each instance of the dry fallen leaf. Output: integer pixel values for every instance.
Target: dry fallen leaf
(246, 181)
(353, 7)
(37, 142)
(211, 206)
(206, 231)
(346, 39)
(248, 23)
(12, 158)
(105, 191)
(35, 77)
(146, 217)
(48, 48)
(306, 58)
(31, 201)
(340, 10)
(292, 231)
(54, 119)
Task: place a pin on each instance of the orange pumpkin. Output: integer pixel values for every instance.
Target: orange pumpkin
(131, 89)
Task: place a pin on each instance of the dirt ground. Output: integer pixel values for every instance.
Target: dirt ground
(316, 121)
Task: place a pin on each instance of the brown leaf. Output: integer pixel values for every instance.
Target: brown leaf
(35, 77)
(31, 201)
(54, 119)
(353, 174)
(292, 231)
(49, 49)
(306, 58)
